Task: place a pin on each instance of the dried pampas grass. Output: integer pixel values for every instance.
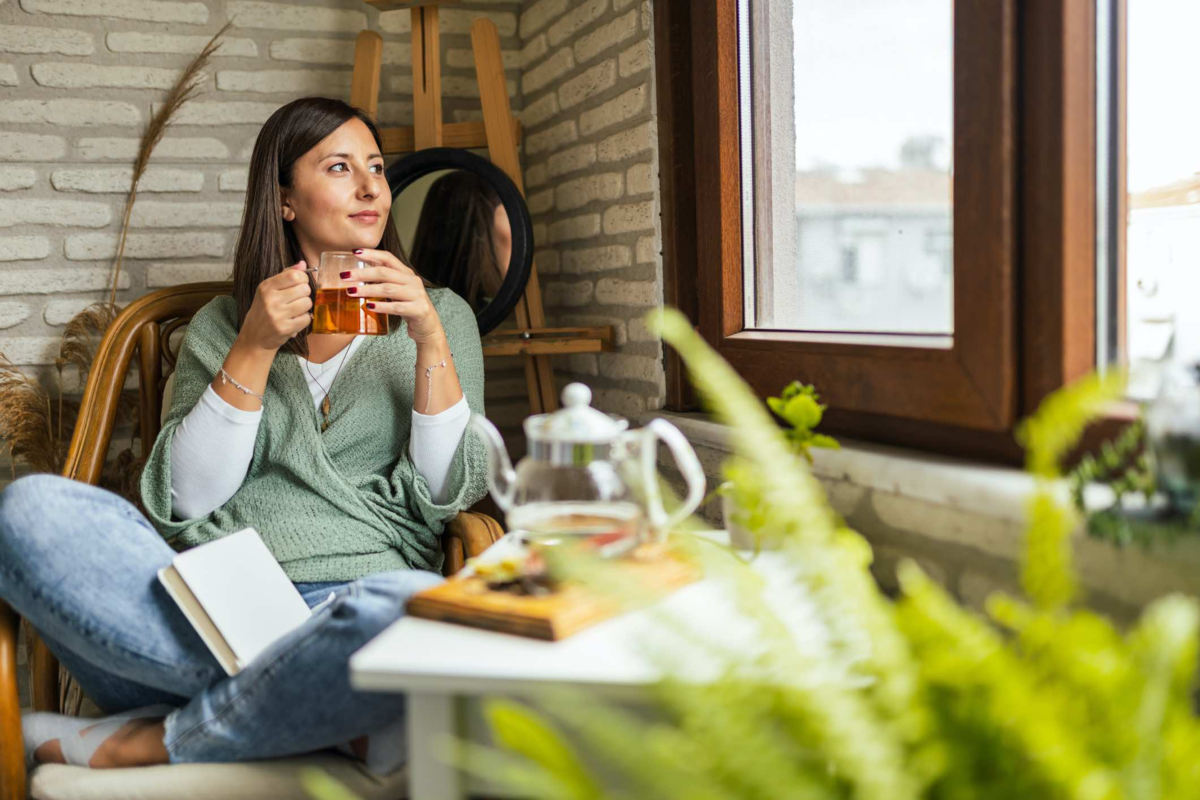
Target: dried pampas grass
(82, 334)
(26, 421)
(184, 90)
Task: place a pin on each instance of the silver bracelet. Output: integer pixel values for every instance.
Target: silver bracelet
(227, 378)
(429, 383)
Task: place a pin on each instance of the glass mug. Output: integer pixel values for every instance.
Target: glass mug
(335, 311)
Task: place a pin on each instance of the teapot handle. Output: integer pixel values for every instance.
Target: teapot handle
(689, 467)
(497, 453)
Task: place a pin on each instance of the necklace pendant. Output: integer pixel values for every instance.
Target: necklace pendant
(324, 426)
(325, 407)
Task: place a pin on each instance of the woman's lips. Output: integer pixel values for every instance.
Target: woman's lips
(370, 217)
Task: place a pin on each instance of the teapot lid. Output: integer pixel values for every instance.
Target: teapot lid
(576, 421)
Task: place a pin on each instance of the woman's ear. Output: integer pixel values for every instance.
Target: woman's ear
(288, 214)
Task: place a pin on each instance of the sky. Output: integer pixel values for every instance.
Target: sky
(1164, 117)
(871, 73)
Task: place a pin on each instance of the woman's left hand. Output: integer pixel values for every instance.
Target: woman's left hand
(393, 288)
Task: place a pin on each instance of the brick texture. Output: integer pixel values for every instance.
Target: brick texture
(591, 140)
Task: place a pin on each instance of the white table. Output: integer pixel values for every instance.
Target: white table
(436, 662)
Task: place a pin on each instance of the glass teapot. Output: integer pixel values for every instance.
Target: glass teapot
(587, 475)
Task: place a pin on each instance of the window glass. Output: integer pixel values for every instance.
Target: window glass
(852, 116)
(1162, 251)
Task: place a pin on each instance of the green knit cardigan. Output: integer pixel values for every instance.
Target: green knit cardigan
(338, 505)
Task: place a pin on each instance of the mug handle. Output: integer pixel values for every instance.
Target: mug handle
(689, 467)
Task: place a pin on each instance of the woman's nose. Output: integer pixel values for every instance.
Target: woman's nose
(371, 185)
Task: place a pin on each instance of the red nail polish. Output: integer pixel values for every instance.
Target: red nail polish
(370, 305)
(352, 290)
(344, 274)
(358, 252)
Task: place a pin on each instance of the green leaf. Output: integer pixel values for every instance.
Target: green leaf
(1061, 418)
(320, 785)
(1047, 573)
(520, 730)
(802, 412)
(828, 442)
(791, 390)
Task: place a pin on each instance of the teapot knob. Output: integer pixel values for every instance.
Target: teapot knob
(576, 394)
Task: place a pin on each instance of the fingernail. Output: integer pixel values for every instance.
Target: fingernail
(358, 251)
(345, 274)
(370, 305)
(352, 290)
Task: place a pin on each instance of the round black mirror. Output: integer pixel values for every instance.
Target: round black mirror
(465, 226)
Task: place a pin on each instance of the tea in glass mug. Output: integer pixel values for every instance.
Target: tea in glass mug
(335, 311)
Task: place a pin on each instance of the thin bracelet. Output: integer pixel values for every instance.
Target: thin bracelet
(227, 378)
(429, 383)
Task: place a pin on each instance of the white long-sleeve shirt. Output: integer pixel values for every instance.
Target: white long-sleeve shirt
(212, 447)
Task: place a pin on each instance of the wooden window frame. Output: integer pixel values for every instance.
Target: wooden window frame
(1024, 208)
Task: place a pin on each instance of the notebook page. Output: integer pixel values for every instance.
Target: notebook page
(169, 577)
(244, 591)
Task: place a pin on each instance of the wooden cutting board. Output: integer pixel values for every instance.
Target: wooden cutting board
(469, 601)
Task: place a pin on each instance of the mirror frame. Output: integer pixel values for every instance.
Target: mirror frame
(405, 170)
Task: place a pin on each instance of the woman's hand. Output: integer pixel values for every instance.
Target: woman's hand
(393, 288)
(280, 309)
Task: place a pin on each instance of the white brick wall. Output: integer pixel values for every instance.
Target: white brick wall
(83, 76)
(591, 172)
(79, 79)
(139, 10)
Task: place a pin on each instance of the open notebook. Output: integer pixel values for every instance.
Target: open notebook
(236, 596)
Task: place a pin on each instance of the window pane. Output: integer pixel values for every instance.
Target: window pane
(864, 242)
(1162, 275)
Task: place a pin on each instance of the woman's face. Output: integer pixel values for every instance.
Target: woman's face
(332, 184)
(501, 238)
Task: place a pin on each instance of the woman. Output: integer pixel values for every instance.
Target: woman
(463, 240)
(349, 485)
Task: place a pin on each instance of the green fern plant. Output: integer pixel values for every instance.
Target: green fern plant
(1046, 700)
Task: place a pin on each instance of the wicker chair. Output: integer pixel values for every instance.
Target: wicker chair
(146, 326)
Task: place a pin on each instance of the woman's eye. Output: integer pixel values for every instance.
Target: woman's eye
(373, 166)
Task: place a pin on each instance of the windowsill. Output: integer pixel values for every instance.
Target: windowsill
(961, 518)
(956, 483)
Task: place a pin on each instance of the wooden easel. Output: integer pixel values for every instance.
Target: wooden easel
(499, 133)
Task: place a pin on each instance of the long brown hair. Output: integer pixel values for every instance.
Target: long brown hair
(267, 244)
(453, 243)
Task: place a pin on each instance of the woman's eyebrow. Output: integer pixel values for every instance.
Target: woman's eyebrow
(347, 155)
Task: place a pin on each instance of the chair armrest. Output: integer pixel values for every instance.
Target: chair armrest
(466, 536)
(12, 755)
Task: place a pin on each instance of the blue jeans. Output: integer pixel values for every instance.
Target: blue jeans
(80, 564)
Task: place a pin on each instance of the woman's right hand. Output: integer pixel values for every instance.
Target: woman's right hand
(280, 309)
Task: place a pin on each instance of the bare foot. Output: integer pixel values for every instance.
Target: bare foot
(137, 743)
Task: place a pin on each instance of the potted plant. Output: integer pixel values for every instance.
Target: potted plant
(800, 408)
